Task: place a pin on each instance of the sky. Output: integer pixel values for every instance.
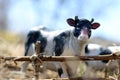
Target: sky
(25, 14)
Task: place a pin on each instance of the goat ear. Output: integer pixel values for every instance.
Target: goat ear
(95, 25)
(71, 21)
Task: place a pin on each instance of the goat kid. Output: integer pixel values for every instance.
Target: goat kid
(70, 42)
(95, 50)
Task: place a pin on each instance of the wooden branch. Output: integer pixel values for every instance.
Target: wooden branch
(63, 58)
(21, 58)
(70, 58)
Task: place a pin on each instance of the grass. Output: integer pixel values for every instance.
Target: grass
(9, 42)
(10, 37)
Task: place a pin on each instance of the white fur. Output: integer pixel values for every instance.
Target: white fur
(114, 48)
(94, 49)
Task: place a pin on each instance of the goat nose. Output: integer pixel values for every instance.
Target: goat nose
(84, 34)
(85, 31)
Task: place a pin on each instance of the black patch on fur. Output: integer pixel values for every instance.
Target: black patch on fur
(33, 37)
(86, 49)
(60, 41)
(77, 31)
(60, 71)
(105, 52)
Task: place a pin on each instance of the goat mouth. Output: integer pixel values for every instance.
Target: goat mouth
(83, 38)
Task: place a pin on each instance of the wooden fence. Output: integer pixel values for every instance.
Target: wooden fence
(38, 59)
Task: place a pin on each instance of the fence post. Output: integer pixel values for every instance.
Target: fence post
(119, 69)
(37, 63)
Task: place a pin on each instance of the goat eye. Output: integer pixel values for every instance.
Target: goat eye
(77, 28)
(78, 25)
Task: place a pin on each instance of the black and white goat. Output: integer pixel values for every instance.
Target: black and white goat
(95, 50)
(70, 42)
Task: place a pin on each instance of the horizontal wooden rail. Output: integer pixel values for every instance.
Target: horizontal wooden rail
(63, 58)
